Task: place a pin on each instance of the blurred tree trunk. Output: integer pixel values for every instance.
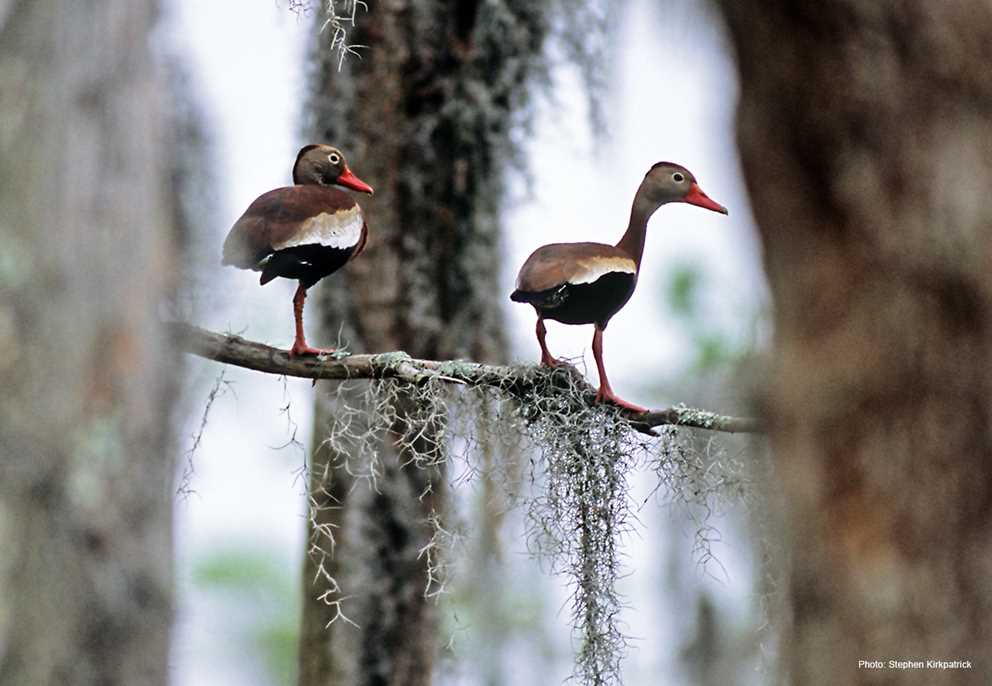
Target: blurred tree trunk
(425, 116)
(866, 137)
(86, 372)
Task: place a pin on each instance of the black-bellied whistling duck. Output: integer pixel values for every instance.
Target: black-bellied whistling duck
(588, 283)
(306, 231)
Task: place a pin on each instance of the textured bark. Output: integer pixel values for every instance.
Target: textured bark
(515, 381)
(425, 116)
(865, 132)
(86, 373)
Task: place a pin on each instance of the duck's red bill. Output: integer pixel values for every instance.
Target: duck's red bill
(349, 180)
(695, 196)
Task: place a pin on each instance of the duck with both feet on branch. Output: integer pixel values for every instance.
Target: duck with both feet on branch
(588, 283)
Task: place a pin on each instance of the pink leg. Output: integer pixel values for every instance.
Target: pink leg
(300, 346)
(546, 359)
(606, 394)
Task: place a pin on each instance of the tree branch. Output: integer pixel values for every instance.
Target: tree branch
(513, 379)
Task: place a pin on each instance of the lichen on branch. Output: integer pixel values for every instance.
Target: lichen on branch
(521, 382)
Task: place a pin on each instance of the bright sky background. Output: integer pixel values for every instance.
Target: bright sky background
(673, 98)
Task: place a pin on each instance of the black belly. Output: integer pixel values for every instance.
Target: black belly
(587, 303)
(306, 263)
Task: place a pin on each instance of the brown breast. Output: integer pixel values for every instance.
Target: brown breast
(575, 263)
(295, 215)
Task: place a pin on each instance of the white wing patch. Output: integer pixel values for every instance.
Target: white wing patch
(592, 268)
(338, 230)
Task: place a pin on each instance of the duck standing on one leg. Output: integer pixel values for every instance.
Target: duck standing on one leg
(306, 231)
(588, 283)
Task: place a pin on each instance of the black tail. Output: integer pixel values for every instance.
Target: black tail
(552, 297)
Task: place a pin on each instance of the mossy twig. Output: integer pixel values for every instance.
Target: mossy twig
(520, 381)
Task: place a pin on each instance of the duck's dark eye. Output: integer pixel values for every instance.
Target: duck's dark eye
(334, 158)
(678, 177)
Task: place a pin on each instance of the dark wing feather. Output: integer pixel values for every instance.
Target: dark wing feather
(547, 299)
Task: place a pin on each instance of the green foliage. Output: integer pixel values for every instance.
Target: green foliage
(683, 290)
(278, 641)
(249, 578)
(714, 349)
(238, 570)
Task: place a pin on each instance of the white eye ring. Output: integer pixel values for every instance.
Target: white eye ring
(334, 158)
(678, 177)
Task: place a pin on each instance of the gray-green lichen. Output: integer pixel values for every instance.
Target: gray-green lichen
(703, 419)
(389, 360)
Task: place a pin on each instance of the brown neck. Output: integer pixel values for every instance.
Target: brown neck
(303, 176)
(632, 241)
(305, 172)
